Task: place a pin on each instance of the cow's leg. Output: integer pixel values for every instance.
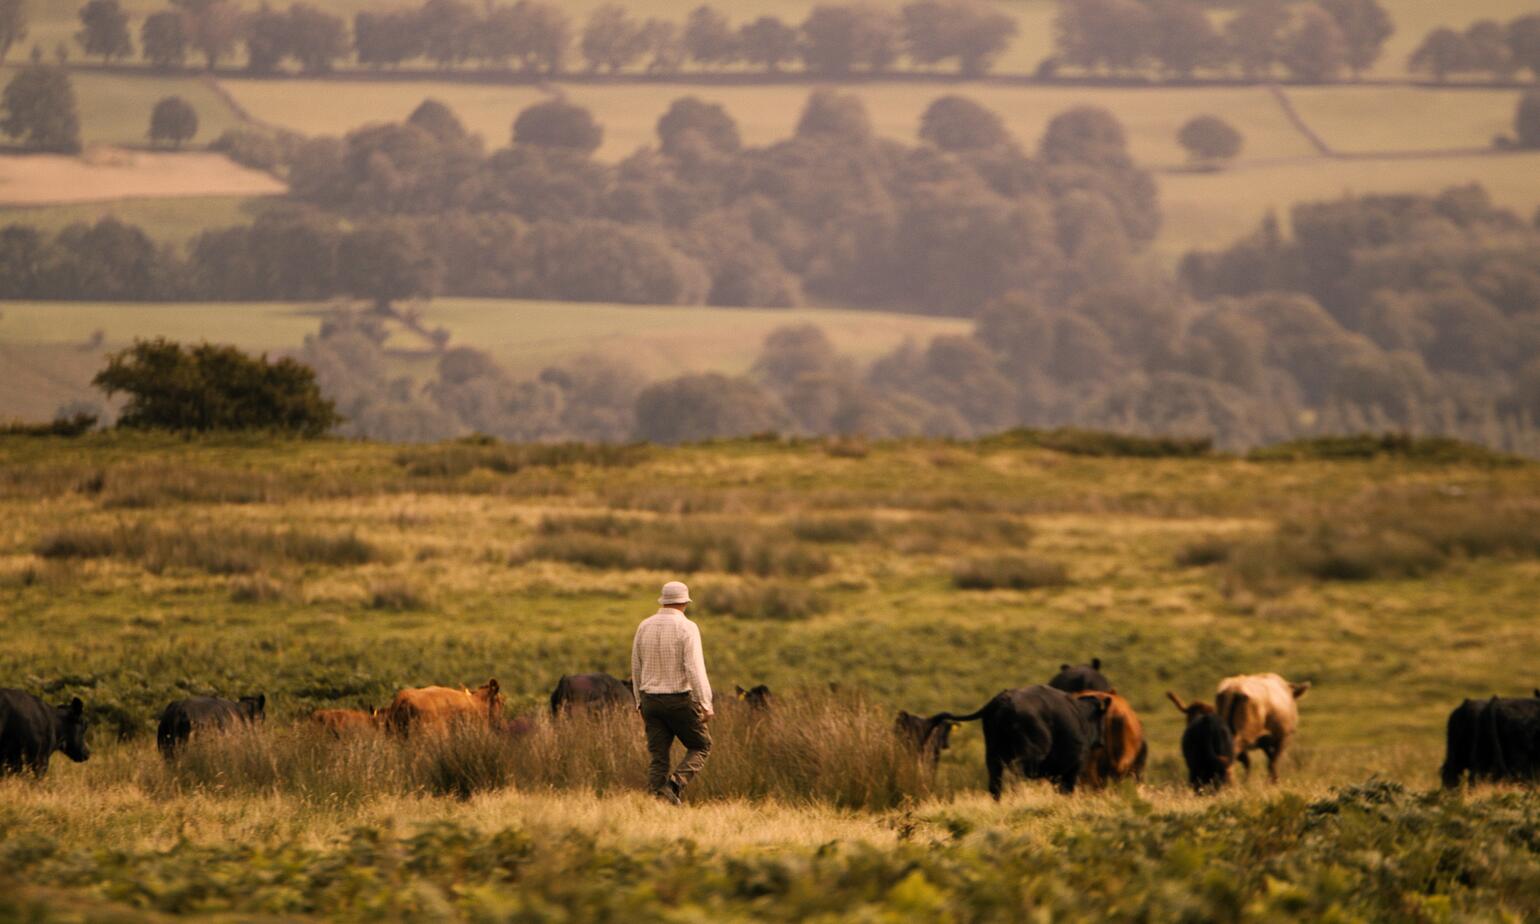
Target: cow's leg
(1139, 761)
(1273, 748)
(996, 767)
(1245, 761)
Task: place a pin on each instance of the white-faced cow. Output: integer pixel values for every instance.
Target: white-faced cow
(1261, 712)
(31, 730)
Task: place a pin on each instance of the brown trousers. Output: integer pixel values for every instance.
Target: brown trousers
(668, 716)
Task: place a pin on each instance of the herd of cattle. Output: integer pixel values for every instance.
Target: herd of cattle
(1075, 729)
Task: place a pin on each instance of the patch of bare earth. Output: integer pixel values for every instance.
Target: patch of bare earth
(118, 173)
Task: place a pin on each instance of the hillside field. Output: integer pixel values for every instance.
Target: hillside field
(136, 569)
(49, 356)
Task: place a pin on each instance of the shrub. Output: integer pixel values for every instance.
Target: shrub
(681, 545)
(1210, 550)
(209, 387)
(216, 550)
(71, 426)
(1012, 572)
(452, 460)
(257, 588)
(754, 600)
(1435, 449)
(1075, 441)
(396, 593)
(850, 528)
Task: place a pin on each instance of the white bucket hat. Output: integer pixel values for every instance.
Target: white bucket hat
(674, 592)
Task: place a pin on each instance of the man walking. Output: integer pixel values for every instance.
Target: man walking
(668, 676)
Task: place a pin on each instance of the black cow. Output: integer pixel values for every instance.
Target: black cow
(1041, 731)
(757, 697)
(1492, 739)
(1207, 745)
(31, 730)
(590, 691)
(928, 736)
(1081, 678)
(181, 718)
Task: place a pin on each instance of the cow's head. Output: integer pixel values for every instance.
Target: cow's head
(1092, 707)
(1191, 710)
(757, 697)
(253, 708)
(72, 730)
(490, 694)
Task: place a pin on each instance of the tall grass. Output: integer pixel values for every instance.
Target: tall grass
(724, 544)
(452, 460)
(806, 749)
(208, 547)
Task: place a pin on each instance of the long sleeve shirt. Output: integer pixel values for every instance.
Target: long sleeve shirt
(666, 657)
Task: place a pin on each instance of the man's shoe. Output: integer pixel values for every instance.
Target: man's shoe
(669, 794)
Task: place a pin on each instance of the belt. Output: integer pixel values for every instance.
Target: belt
(679, 693)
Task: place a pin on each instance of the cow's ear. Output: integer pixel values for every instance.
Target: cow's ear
(77, 708)
(1113, 692)
(1300, 689)
(492, 685)
(741, 691)
(1063, 667)
(1096, 664)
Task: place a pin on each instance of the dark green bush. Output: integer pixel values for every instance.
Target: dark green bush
(1079, 442)
(755, 600)
(1012, 572)
(451, 460)
(1435, 449)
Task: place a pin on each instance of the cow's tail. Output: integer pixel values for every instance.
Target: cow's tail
(970, 717)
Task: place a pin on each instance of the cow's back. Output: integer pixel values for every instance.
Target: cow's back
(431, 705)
(1122, 737)
(1255, 706)
(184, 716)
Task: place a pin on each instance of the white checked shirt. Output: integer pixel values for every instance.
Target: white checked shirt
(666, 657)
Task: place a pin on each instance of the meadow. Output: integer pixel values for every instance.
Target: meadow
(50, 350)
(139, 568)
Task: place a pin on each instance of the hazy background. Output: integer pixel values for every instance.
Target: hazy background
(1250, 219)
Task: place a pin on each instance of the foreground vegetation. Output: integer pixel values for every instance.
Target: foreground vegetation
(137, 568)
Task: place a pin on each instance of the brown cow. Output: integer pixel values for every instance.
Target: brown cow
(439, 706)
(1123, 750)
(347, 721)
(1261, 712)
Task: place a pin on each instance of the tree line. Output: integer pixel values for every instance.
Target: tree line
(1178, 39)
(1486, 47)
(540, 38)
(834, 212)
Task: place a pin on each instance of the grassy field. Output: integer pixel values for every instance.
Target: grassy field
(1201, 209)
(333, 573)
(50, 357)
(176, 220)
(1369, 119)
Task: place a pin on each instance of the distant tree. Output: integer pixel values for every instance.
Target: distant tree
(970, 31)
(384, 265)
(558, 124)
(209, 387)
(1524, 43)
(839, 39)
(112, 261)
(707, 406)
(388, 39)
(104, 30)
(1489, 51)
(1365, 26)
(1184, 40)
(832, 114)
(1085, 135)
(956, 123)
(163, 39)
(213, 27)
(1255, 35)
(539, 33)
(612, 40)
(13, 25)
(39, 107)
(666, 53)
(173, 122)
(1316, 50)
(768, 42)
(438, 120)
(268, 40)
(1111, 34)
(689, 115)
(1443, 52)
(1526, 120)
(449, 29)
(1210, 138)
(24, 257)
(709, 38)
(316, 38)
